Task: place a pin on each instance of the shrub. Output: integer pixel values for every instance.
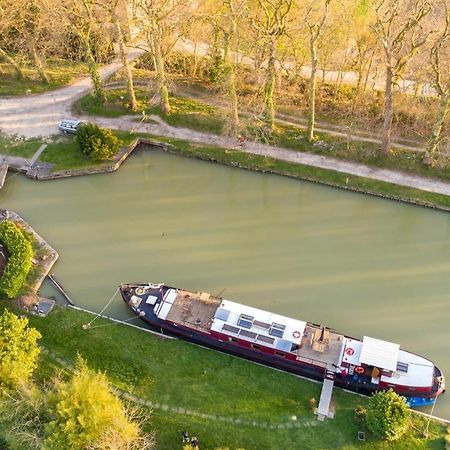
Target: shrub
(360, 413)
(18, 351)
(97, 143)
(19, 262)
(85, 413)
(388, 415)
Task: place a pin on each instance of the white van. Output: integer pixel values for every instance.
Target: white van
(69, 125)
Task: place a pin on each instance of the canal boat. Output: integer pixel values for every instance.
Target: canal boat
(307, 349)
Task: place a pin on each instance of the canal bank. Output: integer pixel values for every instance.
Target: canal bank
(428, 193)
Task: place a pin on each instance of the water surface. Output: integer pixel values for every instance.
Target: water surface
(362, 265)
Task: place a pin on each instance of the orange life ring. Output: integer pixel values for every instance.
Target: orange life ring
(359, 370)
(296, 334)
(349, 351)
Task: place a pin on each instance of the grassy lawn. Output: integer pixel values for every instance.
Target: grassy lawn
(177, 373)
(185, 112)
(360, 152)
(19, 147)
(65, 154)
(60, 72)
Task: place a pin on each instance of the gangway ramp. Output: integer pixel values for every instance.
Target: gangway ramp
(325, 397)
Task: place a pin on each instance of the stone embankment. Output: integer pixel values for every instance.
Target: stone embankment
(46, 255)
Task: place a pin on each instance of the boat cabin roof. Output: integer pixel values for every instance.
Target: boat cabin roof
(372, 352)
(256, 325)
(378, 353)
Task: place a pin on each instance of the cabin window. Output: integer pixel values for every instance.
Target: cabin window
(277, 330)
(256, 347)
(245, 321)
(280, 354)
(402, 367)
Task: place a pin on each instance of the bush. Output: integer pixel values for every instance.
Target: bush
(388, 415)
(85, 413)
(18, 351)
(19, 262)
(97, 143)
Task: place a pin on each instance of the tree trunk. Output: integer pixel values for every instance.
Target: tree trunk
(126, 64)
(269, 112)
(387, 126)
(160, 72)
(312, 91)
(93, 71)
(230, 81)
(436, 135)
(38, 64)
(10, 60)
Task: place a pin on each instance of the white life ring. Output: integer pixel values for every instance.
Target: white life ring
(139, 291)
(296, 334)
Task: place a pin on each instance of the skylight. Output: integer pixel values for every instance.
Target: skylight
(277, 330)
(245, 321)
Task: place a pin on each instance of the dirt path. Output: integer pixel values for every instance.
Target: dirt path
(159, 127)
(39, 114)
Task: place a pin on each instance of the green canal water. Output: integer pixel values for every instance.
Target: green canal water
(361, 265)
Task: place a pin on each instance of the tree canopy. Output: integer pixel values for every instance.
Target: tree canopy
(18, 350)
(85, 413)
(388, 415)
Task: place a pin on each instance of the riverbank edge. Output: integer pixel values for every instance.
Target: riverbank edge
(321, 176)
(42, 265)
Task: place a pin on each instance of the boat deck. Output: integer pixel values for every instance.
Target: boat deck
(321, 346)
(195, 310)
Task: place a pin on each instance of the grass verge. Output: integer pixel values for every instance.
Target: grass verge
(179, 374)
(60, 72)
(25, 148)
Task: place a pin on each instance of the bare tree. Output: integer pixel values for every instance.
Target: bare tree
(226, 19)
(34, 34)
(7, 23)
(116, 9)
(399, 30)
(315, 18)
(270, 24)
(161, 23)
(440, 65)
(80, 17)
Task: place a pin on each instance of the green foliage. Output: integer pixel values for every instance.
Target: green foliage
(97, 143)
(19, 262)
(18, 350)
(388, 415)
(85, 412)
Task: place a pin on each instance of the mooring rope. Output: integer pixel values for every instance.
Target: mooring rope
(115, 323)
(87, 325)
